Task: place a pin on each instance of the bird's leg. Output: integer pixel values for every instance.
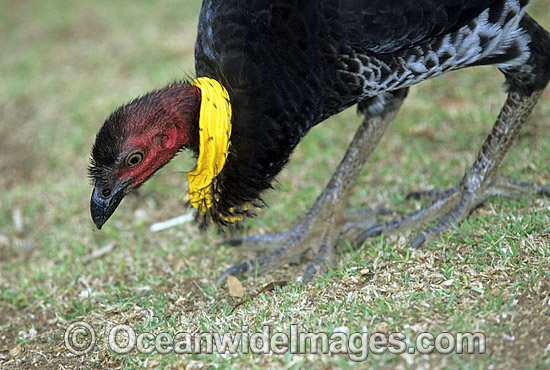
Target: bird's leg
(320, 227)
(478, 184)
(481, 181)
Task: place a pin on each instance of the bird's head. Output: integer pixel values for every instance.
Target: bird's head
(137, 140)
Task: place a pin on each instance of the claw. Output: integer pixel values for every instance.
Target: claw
(322, 260)
(369, 233)
(418, 241)
(233, 270)
(429, 194)
(313, 268)
(543, 190)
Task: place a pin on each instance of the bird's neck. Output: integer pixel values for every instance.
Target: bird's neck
(165, 121)
(180, 104)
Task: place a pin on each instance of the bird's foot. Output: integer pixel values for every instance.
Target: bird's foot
(316, 235)
(449, 207)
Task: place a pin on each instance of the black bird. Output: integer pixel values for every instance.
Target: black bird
(268, 71)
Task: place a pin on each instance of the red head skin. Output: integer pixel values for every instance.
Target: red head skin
(137, 140)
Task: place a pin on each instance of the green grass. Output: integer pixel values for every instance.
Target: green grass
(64, 66)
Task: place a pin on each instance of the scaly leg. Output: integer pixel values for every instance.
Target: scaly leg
(481, 181)
(321, 226)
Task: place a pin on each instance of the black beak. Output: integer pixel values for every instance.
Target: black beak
(104, 202)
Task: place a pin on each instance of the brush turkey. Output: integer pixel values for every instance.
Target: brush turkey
(268, 71)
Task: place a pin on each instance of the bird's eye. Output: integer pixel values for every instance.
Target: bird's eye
(134, 159)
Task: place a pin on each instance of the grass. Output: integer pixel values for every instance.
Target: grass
(65, 65)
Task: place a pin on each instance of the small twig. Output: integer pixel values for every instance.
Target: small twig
(269, 287)
(172, 222)
(17, 218)
(99, 252)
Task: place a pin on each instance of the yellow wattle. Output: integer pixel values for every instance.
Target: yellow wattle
(214, 136)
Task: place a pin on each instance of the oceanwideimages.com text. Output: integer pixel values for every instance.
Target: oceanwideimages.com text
(81, 338)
